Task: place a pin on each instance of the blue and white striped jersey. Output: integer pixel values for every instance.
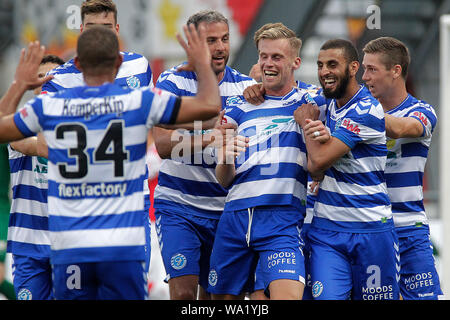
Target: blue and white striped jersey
(273, 169)
(135, 72)
(190, 185)
(405, 164)
(353, 194)
(28, 223)
(96, 140)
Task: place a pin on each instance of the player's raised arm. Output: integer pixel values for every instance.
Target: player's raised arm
(207, 103)
(26, 78)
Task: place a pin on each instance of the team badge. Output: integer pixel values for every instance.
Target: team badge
(133, 82)
(212, 277)
(178, 261)
(233, 100)
(317, 289)
(24, 294)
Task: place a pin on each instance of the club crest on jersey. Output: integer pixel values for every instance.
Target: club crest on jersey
(233, 100)
(212, 277)
(178, 261)
(24, 294)
(133, 82)
(317, 289)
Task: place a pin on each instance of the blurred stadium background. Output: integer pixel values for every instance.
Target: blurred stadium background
(148, 27)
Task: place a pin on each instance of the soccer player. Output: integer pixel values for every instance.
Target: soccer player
(409, 126)
(188, 198)
(6, 287)
(135, 72)
(354, 249)
(48, 63)
(267, 183)
(28, 238)
(94, 190)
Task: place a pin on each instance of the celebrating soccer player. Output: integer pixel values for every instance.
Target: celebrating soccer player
(95, 192)
(188, 198)
(354, 248)
(409, 126)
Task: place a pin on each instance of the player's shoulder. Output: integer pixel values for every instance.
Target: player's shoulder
(130, 56)
(365, 102)
(233, 75)
(309, 87)
(173, 72)
(418, 103)
(68, 67)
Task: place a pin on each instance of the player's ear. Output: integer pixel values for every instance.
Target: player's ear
(353, 68)
(297, 63)
(76, 61)
(396, 71)
(119, 61)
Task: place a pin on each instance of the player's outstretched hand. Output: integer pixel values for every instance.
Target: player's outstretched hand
(27, 69)
(196, 47)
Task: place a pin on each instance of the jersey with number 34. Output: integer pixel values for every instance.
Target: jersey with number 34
(96, 140)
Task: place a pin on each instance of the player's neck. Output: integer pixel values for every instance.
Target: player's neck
(98, 80)
(392, 98)
(281, 91)
(352, 88)
(220, 76)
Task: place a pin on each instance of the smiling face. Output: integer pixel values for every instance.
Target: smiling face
(218, 38)
(278, 62)
(377, 77)
(333, 72)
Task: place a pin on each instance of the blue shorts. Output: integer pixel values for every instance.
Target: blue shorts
(270, 235)
(357, 266)
(259, 283)
(418, 276)
(186, 243)
(32, 278)
(112, 280)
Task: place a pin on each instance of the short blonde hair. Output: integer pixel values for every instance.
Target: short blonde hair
(275, 31)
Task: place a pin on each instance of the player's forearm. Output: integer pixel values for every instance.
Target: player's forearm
(225, 174)
(316, 162)
(402, 127)
(167, 140)
(41, 146)
(208, 91)
(11, 99)
(26, 146)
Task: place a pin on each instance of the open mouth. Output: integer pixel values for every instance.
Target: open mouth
(270, 74)
(329, 83)
(218, 59)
